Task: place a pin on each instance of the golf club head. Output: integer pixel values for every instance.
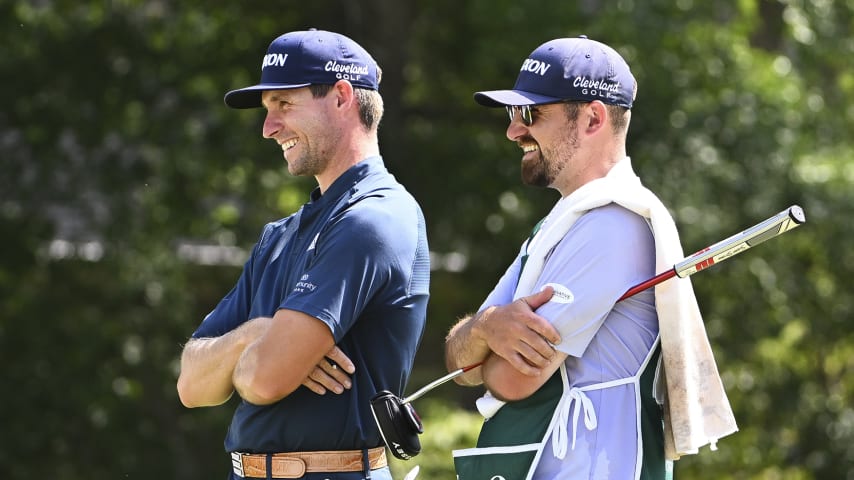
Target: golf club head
(399, 424)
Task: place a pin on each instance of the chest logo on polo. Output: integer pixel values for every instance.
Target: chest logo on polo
(561, 293)
(304, 285)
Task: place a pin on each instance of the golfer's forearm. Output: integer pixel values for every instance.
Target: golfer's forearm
(243, 376)
(275, 364)
(259, 385)
(207, 365)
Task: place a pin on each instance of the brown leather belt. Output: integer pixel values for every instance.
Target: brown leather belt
(297, 464)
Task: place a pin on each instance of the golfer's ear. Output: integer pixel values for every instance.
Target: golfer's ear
(344, 94)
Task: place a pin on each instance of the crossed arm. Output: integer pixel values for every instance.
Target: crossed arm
(514, 344)
(265, 359)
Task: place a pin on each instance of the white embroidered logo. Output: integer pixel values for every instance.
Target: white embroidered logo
(349, 71)
(304, 285)
(561, 294)
(535, 66)
(274, 60)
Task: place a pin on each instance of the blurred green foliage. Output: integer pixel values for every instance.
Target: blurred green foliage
(119, 163)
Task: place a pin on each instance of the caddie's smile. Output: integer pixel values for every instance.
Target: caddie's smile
(529, 147)
(289, 144)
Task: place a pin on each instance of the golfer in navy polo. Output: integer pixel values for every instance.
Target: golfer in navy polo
(331, 304)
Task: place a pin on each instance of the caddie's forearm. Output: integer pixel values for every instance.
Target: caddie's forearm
(464, 347)
(507, 383)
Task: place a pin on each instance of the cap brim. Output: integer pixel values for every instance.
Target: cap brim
(503, 98)
(250, 97)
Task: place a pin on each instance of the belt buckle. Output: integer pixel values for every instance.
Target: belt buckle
(237, 463)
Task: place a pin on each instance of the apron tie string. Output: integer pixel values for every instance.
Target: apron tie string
(578, 402)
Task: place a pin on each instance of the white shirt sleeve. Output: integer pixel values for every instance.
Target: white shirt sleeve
(607, 251)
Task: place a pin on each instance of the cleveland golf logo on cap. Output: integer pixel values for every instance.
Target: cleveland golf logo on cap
(352, 71)
(597, 88)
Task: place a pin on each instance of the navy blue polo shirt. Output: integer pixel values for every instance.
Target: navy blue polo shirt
(356, 258)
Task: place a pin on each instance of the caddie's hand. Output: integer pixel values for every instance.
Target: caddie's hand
(332, 374)
(520, 336)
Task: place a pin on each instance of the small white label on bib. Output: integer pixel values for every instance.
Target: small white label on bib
(561, 294)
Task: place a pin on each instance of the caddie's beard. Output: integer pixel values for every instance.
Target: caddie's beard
(535, 172)
(548, 163)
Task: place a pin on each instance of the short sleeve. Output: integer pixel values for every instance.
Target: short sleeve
(364, 253)
(607, 251)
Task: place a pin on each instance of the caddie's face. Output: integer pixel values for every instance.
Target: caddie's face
(300, 124)
(548, 144)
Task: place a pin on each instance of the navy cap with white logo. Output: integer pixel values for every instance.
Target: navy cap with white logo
(311, 57)
(568, 69)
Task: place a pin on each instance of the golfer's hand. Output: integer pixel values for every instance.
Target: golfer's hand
(520, 336)
(332, 374)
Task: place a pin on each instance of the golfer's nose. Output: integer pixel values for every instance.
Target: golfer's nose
(272, 125)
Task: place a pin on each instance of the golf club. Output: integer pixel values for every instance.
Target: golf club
(400, 425)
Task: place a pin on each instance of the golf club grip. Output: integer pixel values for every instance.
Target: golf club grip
(770, 228)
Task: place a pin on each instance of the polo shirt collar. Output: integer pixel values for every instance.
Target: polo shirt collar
(353, 175)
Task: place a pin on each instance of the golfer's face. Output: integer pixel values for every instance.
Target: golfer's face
(299, 123)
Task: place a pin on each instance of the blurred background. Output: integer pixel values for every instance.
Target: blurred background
(130, 197)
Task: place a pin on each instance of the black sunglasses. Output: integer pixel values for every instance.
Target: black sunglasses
(526, 111)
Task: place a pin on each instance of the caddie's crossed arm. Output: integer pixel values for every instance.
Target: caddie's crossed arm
(512, 332)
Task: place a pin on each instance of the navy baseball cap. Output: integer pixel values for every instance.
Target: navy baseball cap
(568, 69)
(310, 57)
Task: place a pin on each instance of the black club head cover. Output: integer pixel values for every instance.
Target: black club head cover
(398, 423)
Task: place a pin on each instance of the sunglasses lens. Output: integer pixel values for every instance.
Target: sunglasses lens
(524, 113)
